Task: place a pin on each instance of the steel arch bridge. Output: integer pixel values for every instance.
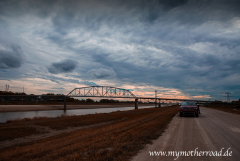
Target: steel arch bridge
(101, 91)
(92, 91)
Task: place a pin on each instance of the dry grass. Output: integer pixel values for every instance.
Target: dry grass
(13, 132)
(116, 141)
(226, 108)
(27, 119)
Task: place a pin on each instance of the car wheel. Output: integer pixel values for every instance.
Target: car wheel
(197, 114)
(180, 114)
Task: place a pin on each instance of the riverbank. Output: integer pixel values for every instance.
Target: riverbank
(111, 136)
(19, 108)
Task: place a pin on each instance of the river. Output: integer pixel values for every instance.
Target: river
(55, 113)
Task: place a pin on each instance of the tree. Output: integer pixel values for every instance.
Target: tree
(89, 100)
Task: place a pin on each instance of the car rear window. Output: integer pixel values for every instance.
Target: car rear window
(188, 103)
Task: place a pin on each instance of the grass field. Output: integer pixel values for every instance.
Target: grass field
(226, 108)
(113, 136)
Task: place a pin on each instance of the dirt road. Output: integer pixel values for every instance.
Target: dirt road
(211, 132)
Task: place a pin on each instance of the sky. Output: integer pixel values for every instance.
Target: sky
(182, 48)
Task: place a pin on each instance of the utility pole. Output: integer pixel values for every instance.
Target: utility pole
(6, 93)
(22, 94)
(155, 98)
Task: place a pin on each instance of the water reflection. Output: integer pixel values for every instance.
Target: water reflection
(55, 113)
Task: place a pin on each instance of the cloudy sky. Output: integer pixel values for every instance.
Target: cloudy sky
(182, 48)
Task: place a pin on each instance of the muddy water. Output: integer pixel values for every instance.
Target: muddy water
(55, 113)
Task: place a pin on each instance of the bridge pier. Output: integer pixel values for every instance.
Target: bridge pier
(159, 103)
(136, 103)
(65, 103)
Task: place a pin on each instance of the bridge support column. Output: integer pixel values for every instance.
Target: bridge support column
(159, 103)
(136, 103)
(65, 103)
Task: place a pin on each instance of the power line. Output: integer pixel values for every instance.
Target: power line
(7, 88)
(228, 97)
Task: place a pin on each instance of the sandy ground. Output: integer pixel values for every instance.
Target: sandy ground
(17, 108)
(47, 132)
(211, 131)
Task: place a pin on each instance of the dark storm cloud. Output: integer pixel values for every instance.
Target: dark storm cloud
(101, 73)
(93, 14)
(173, 43)
(167, 22)
(193, 70)
(63, 21)
(63, 81)
(65, 11)
(64, 66)
(41, 8)
(11, 57)
(172, 3)
(122, 68)
(139, 74)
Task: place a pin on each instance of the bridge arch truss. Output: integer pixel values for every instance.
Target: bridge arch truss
(101, 91)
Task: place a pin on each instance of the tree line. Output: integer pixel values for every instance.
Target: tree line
(44, 97)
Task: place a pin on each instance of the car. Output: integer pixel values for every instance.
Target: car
(189, 107)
